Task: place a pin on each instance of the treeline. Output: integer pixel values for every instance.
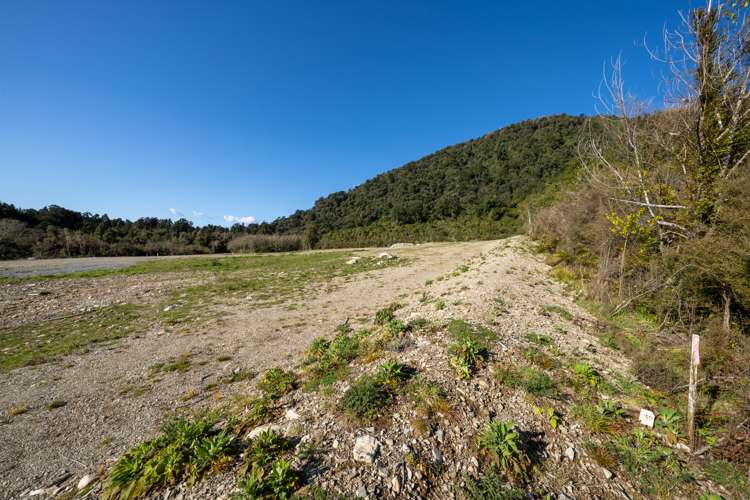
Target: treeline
(58, 232)
(658, 227)
(473, 190)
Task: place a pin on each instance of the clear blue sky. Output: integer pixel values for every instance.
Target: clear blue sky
(258, 108)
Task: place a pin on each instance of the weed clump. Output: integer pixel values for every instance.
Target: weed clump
(585, 376)
(276, 382)
(529, 379)
(502, 444)
(491, 486)
(603, 417)
(328, 360)
(385, 315)
(183, 452)
(268, 472)
(369, 395)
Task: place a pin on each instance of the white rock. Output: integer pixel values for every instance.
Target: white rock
(85, 481)
(396, 485)
(362, 492)
(353, 260)
(366, 449)
(570, 453)
(291, 414)
(437, 455)
(263, 428)
(40, 491)
(386, 256)
(168, 308)
(607, 473)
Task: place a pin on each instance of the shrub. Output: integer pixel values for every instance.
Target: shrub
(504, 447)
(392, 374)
(257, 243)
(366, 398)
(276, 382)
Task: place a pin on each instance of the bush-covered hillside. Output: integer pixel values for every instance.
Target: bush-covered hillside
(483, 178)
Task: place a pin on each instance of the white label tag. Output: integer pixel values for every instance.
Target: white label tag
(647, 417)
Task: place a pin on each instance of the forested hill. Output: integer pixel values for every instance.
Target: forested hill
(468, 191)
(481, 181)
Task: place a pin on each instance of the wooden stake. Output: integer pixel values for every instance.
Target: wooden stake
(695, 361)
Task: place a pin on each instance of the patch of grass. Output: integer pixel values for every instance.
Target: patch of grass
(541, 359)
(366, 398)
(560, 311)
(276, 383)
(224, 357)
(267, 469)
(369, 395)
(45, 341)
(58, 403)
(656, 468)
(502, 444)
(328, 360)
(429, 398)
(603, 417)
(385, 315)
(529, 379)
(180, 364)
(183, 451)
(396, 326)
(539, 338)
(257, 411)
(461, 330)
(440, 305)
(729, 476)
(492, 486)
(238, 375)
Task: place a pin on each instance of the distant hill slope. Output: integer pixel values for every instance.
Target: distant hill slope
(484, 178)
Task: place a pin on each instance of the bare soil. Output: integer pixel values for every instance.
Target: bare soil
(81, 412)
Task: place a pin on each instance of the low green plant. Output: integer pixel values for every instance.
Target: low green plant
(552, 416)
(58, 403)
(257, 411)
(182, 452)
(602, 417)
(396, 326)
(585, 376)
(562, 312)
(276, 382)
(440, 305)
(491, 486)
(669, 420)
(503, 445)
(385, 315)
(392, 374)
(268, 473)
(468, 354)
(539, 338)
(529, 379)
(366, 398)
(656, 467)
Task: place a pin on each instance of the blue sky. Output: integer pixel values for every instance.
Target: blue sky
(256, 109)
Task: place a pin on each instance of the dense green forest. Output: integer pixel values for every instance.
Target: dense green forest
(472, 190)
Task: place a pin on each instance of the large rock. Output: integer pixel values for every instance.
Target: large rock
(366, 448)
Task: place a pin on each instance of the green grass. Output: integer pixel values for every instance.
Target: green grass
(539, 338)
(562, 312)
(369, 395)
(42, 342)
(328, 360)
(529, 379)
(183, 451)
(729, 476)
(492, 486)
(656, 468)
